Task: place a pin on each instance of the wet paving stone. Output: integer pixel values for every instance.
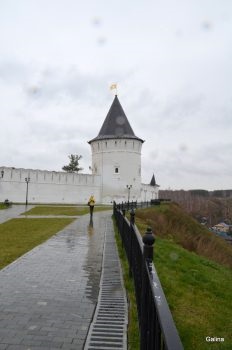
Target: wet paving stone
(48, 296)
(13, 212)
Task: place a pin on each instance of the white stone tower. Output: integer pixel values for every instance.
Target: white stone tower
(116, 157)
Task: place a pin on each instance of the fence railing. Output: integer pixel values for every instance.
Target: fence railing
(157, 328)
(133, 205)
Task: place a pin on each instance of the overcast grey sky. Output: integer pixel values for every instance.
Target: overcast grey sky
(172, 60)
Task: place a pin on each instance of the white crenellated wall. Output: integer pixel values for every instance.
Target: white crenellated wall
(59, 187)
(148, 192)
(124, 155)
(48, 186)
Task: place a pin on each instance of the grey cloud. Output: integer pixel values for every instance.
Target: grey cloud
(217, 155)
(221, 117)
(172, 114)
(207, 165)
(14, 71)
(179, 109)
(58, 85)
(45, 84)
(65, 128)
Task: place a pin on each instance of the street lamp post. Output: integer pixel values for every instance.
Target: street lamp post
(2, 174)
(129, 188)
(27, 179)
(145, 192)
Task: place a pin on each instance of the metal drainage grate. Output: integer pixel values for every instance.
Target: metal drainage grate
(109, 327)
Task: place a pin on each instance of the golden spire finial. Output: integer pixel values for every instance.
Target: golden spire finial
(114, 87)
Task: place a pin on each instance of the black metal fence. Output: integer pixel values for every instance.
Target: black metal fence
(133, 205)
(157, 328)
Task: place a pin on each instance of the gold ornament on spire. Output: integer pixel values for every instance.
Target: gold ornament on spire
(114, 87)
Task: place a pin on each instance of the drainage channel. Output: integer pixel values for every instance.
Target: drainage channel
(108, 331)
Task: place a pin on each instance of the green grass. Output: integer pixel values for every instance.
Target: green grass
(198, 288)
(199, 295)
(65, 210)
(3, 206)
(172, 222)
(133, 329)
(18, 236)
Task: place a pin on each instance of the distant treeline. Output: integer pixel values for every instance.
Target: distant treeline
(215, 206)
(198, 192)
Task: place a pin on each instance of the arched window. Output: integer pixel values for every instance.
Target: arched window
(116, 169)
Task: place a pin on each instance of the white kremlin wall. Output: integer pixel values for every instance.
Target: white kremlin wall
(63, 188)
(148, 192)
(48, 186)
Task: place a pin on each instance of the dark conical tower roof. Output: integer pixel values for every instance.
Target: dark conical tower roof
(153, 182)
(116, 124)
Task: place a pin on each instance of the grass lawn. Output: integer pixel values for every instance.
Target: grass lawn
(199, 295)
(3, 206)
(170, 222)
(193, 267)
(18, 236)
(65, 210)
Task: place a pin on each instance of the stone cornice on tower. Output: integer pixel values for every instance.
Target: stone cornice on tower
(116, 125)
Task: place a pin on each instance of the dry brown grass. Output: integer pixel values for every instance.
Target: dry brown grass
(170, 221)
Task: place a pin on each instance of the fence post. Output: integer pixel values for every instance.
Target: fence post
(132, 222)
(148, 240)
(132, 216)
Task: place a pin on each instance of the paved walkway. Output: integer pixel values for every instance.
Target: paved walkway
(48, 296)
(13, 212)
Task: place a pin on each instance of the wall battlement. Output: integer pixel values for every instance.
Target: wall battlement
(49, 177)
(48, 186)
